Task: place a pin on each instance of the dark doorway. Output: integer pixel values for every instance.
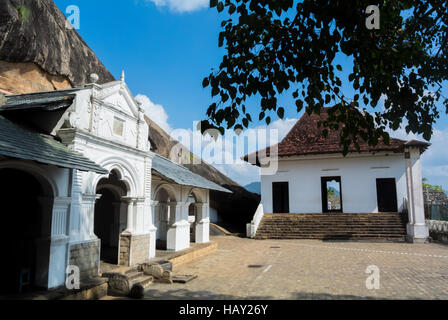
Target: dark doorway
(24, 226)
(280, 197)
(107, 220)
(386, 190)
(105, 216)
(331, 194)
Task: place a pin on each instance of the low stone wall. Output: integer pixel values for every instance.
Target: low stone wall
(438, 230)
(134, 249)
(193, 253)
(433, 196)
(86, 256)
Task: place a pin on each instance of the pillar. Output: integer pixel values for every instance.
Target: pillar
(178, 235)
(152, 229)
(417, 231)
(58, 243)
(130, 214)
(202, 224)
(87, 217)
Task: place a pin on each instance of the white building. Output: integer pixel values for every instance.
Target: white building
(314, 177)
(77, 167)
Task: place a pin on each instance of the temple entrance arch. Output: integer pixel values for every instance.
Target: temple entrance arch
(110, 215)
(26, 255)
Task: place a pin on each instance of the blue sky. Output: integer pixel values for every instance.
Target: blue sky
(167, 47)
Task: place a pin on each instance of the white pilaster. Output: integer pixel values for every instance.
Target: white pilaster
(417, 231)
(59, 242)
(87, 221)
(130, 214)
(202, 224)
(75, 207)
(178, 235)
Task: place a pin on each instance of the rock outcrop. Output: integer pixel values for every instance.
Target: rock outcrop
(39, 53)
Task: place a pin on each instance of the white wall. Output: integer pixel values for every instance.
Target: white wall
(358, 181)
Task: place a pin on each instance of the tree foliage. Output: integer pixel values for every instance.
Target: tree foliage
(278, 46)
(432, 187)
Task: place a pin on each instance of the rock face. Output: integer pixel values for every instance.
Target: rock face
(38, 52)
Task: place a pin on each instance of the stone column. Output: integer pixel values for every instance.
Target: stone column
(130, 214)
(152, 229)
(178, 235)
(87, 221)
(202, 224)
(417, 231)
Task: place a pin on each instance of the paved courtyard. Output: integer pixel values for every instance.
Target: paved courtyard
(307, 269)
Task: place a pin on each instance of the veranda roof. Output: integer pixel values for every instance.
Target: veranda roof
(21, 143)
(181, 175)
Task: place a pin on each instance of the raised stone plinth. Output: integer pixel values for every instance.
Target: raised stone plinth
(134, 249)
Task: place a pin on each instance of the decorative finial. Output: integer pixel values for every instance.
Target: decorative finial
(94, 78)
(122, 76)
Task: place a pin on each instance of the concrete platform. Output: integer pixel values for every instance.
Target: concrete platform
(178, 258)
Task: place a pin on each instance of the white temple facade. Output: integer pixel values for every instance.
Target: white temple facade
(107, 203)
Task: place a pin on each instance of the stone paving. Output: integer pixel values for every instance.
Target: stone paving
(310, 269)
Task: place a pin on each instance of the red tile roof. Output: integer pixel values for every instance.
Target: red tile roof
(306, 138)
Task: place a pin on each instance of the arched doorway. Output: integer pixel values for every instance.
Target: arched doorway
(164, 199)
(25, 263)
(192, 216)
(110, 215)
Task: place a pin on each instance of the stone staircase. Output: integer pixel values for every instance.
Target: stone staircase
(335, 226)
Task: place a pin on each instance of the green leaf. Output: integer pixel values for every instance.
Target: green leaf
(299, 105)
(281, 112)
(220, 7)
(213, 3)
(339, 67)
(205, 82)
(232, 8)
(268, 120)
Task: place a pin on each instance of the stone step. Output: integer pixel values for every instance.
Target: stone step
(139, 285)
(293, 228)
(134, 275)
(333, 221)
(332, 226)
(322, 236)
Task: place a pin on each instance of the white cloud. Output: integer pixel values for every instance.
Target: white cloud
(181, 5)
(283, 126)
(155, 112)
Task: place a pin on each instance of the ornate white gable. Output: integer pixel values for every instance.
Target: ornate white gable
(110, 112)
